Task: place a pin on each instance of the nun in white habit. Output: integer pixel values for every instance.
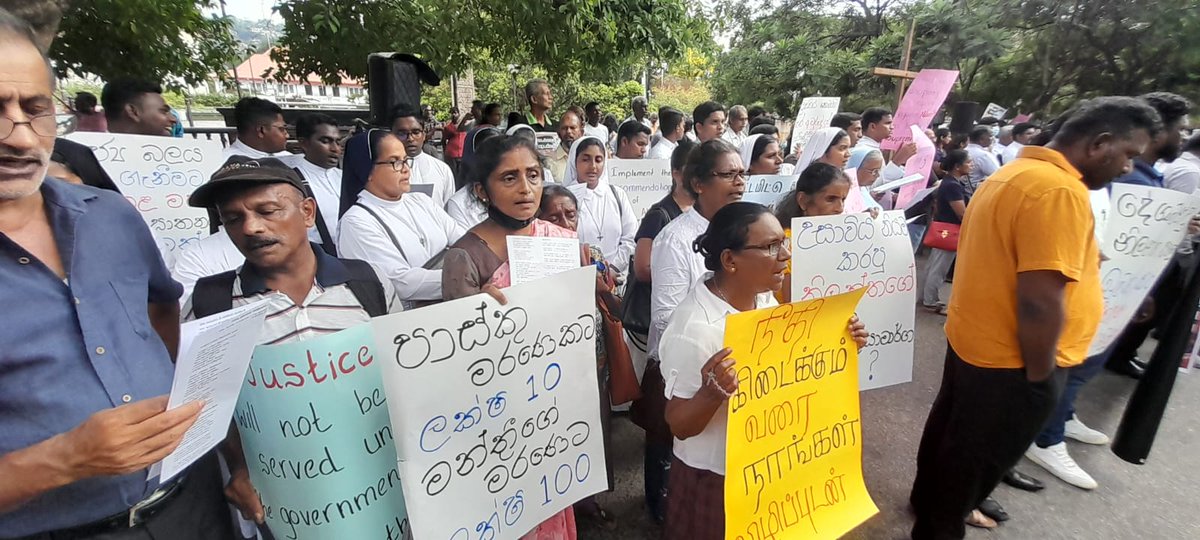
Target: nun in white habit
(606, 217)
(395, 229)
(829, 145)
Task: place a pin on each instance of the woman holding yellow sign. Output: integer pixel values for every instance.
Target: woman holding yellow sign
(746, 253)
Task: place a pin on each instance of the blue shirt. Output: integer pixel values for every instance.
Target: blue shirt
(81, 345)
(1143, 174)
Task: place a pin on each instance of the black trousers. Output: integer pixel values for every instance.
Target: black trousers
(198, 512)
(981, 422)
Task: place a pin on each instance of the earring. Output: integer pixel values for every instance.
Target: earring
(733, 269)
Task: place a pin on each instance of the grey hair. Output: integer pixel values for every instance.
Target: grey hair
(638, 99)
(12, 26)
(738, 109)
(532, 86)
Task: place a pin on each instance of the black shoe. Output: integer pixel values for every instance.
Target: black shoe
(992, 509)
(1132, 368)
(1023, 481)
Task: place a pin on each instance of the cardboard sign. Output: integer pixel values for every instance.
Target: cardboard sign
(767, 190)
(645, 181)
(920, 104)
(815, 113)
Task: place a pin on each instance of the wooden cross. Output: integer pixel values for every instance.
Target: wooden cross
(903, 73)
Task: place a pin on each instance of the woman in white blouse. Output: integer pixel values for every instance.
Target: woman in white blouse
(746, 254)
(606, 217)
(394, 229)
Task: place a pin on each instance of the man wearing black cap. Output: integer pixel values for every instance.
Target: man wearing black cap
(264, 210)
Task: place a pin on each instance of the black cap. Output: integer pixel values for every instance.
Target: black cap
(242, 170)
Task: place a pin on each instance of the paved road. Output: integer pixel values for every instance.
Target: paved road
(1158, 500)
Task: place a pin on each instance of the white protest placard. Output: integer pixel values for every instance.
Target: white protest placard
(886, 187)
(646, 181)
(815, 113)
(214, 353)
(156, 175)
(496, 409)
(531, 258)
(920, 164)
(546, 142)
(836, 254)
(1145, 226)
(994, 111)
(767, 190)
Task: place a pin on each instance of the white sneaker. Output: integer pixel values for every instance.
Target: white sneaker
(1056, 460)
(1078, 431)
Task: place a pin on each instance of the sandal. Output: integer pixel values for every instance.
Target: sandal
(938, 308)
(977, 519)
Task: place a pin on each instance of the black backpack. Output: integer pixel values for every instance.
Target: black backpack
(214, 294)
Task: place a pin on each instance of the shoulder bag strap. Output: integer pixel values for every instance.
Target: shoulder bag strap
(388, 230)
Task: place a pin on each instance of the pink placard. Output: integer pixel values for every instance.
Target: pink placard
(920, 104)
(1021, 118)
(854, 198)
(921, 163)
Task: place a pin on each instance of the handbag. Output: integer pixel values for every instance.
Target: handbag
(623, 385)
(942, 235)
(635, 307)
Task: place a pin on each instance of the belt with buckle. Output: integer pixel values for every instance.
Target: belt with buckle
(134, 517)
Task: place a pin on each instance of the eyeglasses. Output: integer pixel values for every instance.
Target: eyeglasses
(730, 176)
(872, 172)
(398, 164)
(409, 134)
(771, 249)
(43, 125)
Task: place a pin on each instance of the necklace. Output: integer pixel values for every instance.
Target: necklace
(721, 292)
(603, 216)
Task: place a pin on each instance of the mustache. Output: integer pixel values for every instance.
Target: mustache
(256, 242)
(40, 156)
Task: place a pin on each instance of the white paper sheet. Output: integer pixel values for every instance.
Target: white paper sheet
(214, 353)
(882, 188)
(531, 258)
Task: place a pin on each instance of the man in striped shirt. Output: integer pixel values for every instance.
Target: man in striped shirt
(264, 210)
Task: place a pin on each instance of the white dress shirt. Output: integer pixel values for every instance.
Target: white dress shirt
(430, 170)
(891, 171)
(663, 149)
(1010, 152)
(465, 209)
(421, 227)
(326, 186)
(239, 148)
(645, 121)
(607, 221)
(599, 131)
(985, 166)
(696, 332)
(1183, 174)
(733, 137)
(208, 256)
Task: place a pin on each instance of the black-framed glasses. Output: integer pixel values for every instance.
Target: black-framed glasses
(398, 164)
(405, 135)
(730, 176)
(771, 249)
(43, 125)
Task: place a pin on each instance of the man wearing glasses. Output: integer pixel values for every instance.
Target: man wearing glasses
(427, 170)
(261, 131)
(92, 325)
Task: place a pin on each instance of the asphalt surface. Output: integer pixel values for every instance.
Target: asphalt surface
(1157, 500)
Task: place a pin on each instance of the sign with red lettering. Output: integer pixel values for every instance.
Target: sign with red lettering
(920, 104)
(316, 435)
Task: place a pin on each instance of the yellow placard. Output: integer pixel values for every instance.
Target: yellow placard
(793, 461)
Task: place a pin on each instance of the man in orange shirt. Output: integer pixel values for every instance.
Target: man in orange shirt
(1026, 299)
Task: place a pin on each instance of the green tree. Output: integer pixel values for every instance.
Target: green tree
(166, 40)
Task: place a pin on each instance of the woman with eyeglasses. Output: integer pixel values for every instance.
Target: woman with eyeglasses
(397, 230)
(830, 146)
(745, 253)
(762, 155)
(868, 165)
(606, 217)
(821, 190)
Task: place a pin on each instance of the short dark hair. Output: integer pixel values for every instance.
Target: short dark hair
(669, 119)
(1118, 115)
(85, 101)
(683, 150)
(953, 159)
(306, 125)
(703, 161)
(765, 128)
(874, 115)
(756, 111)
(706, 109)
(764, 120)
(118, 93)
(1170, 107)
(591, 106)
(403, 110)
(727, 230)
(490, 108)
(941, 132)
(978, 133)
(1019, 128)
(629, 130)
(845, 119)
(250, 112)
(490, 152)
(815, 177)
(552, 191)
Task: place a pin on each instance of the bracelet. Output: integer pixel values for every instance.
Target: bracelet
(712, 381)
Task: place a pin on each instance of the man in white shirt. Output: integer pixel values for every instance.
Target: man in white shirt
(261, 131)
(1004, 138)
(1183, 174)
(632, 140)
(877, 126)
(1022, 134)
(979, 142)
(738, 118)
(319, 138)
(639, 107)
(709, 118)
(208, 256)
(594, 126)
(671, 122)
(427, 170)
